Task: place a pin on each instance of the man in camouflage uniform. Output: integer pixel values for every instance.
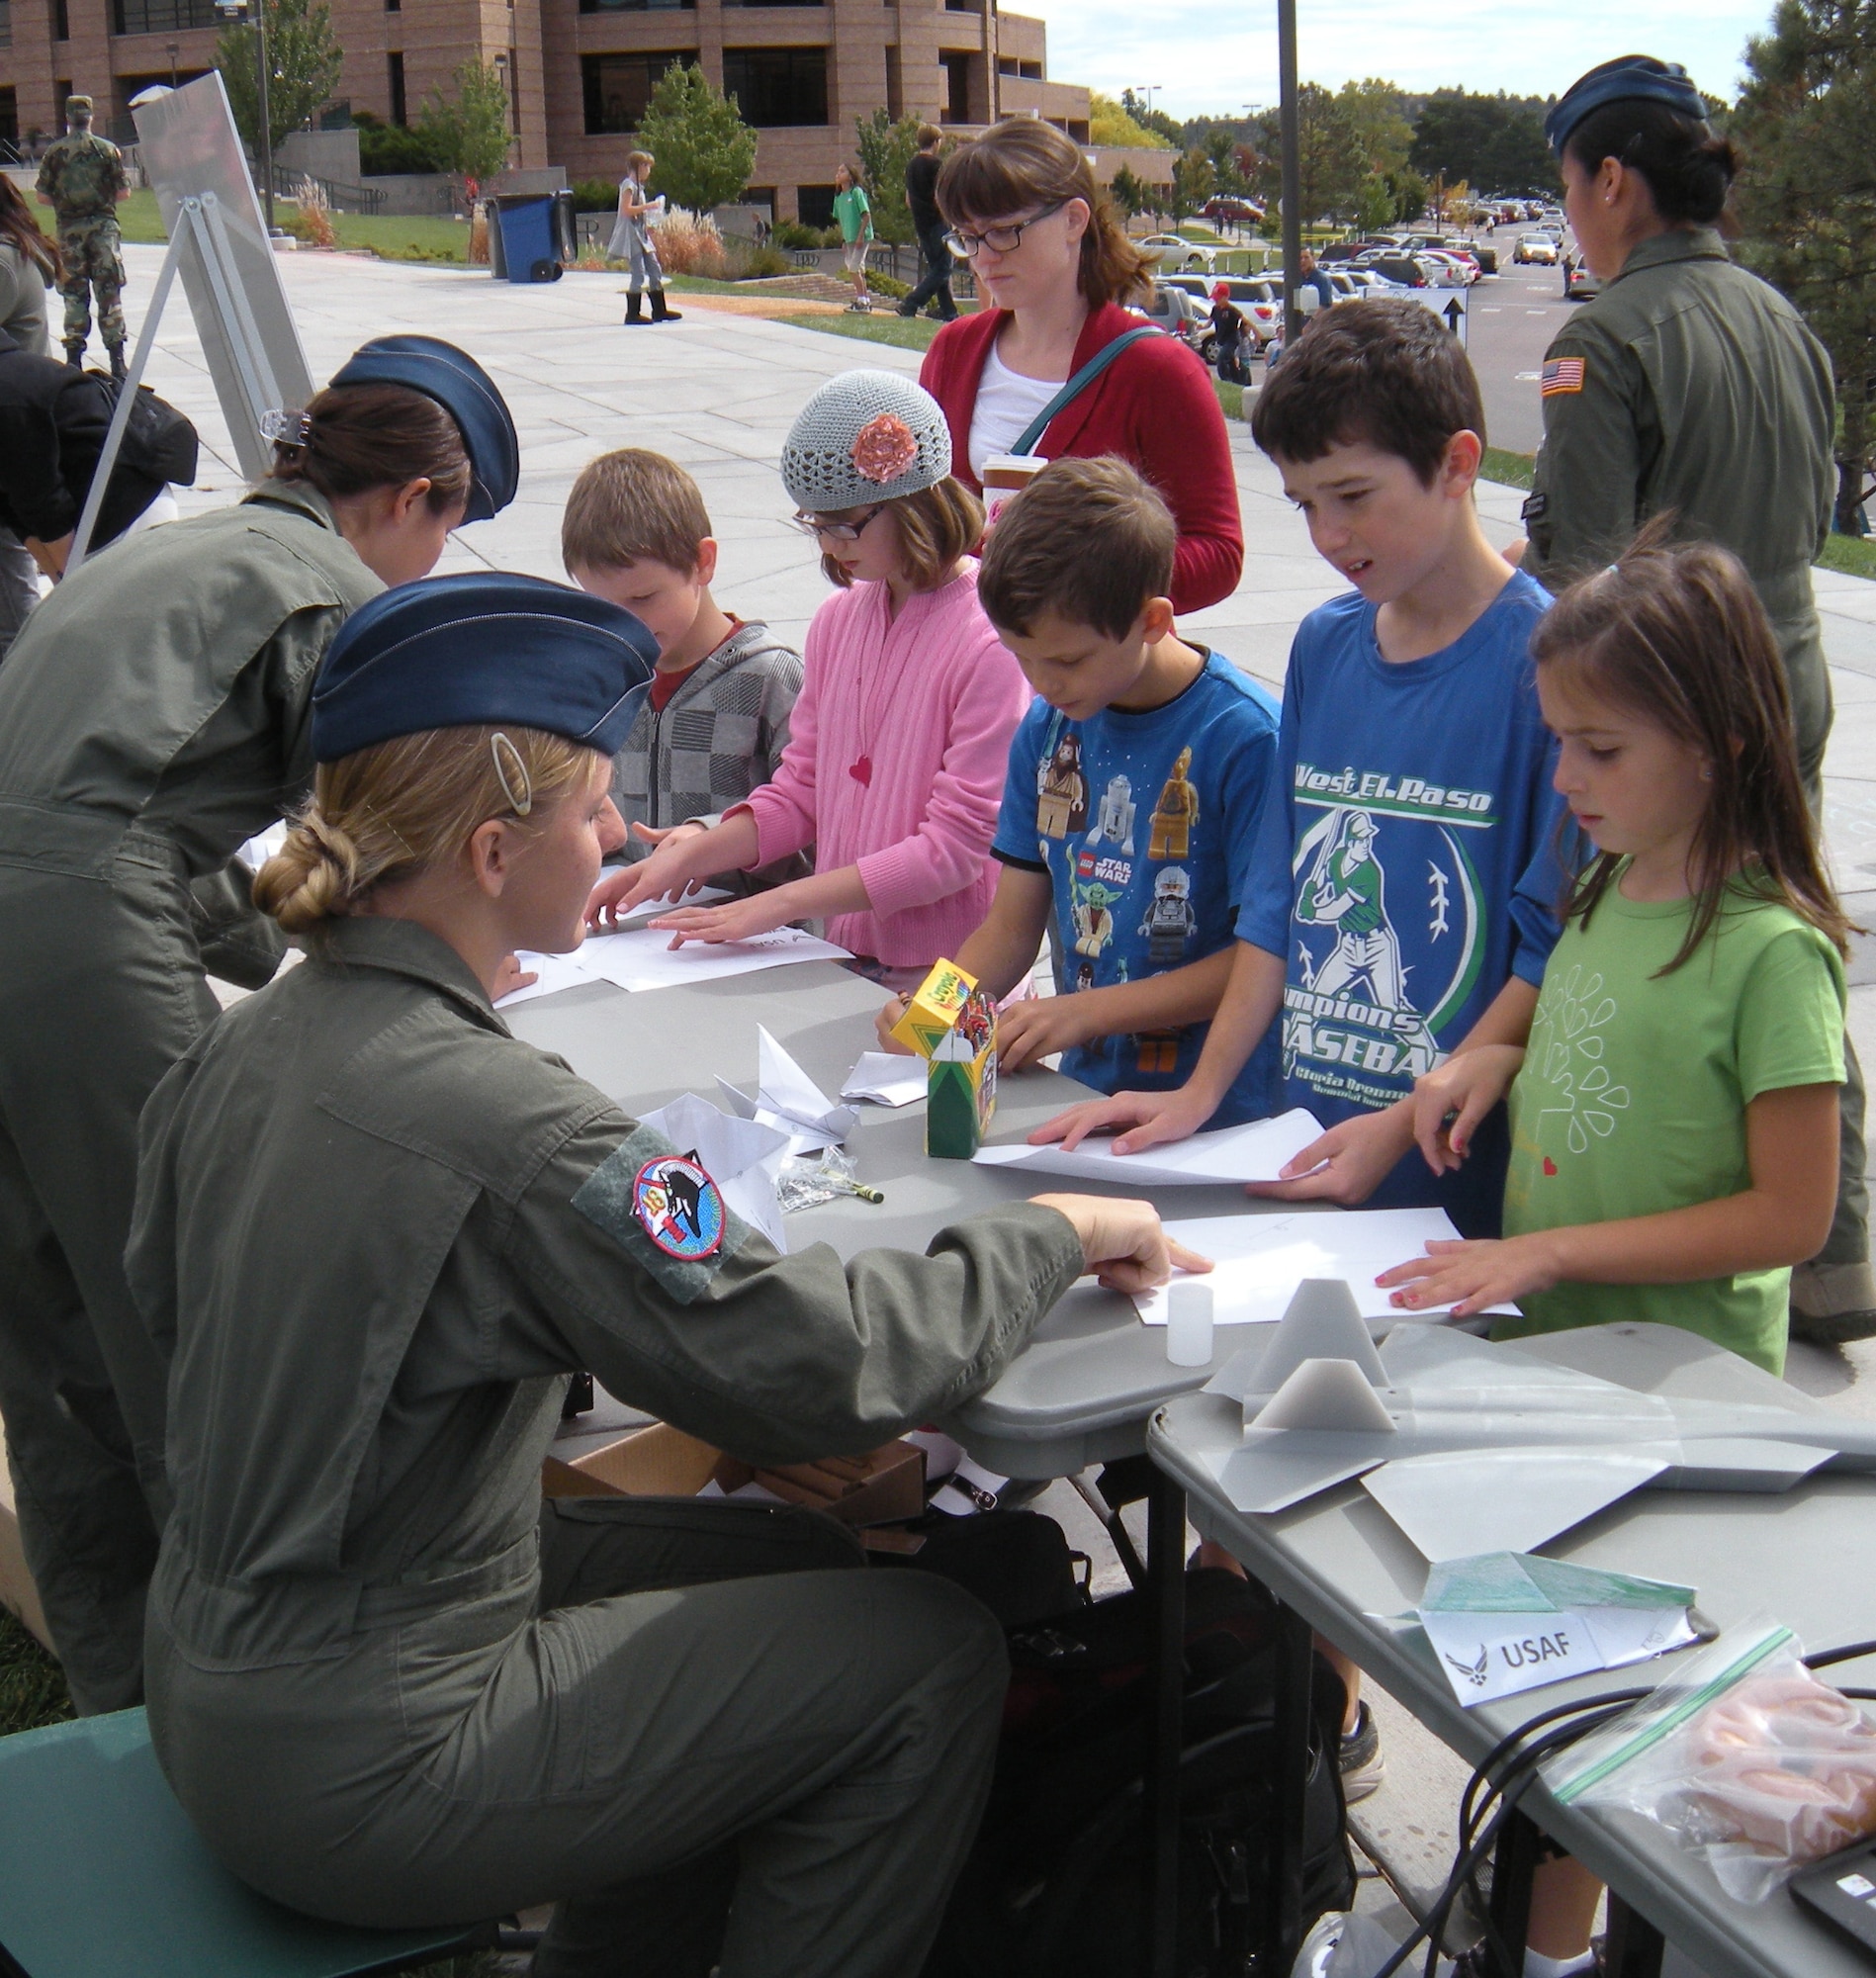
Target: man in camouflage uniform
(82, 178)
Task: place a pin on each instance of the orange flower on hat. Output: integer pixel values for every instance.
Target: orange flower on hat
(883, 448)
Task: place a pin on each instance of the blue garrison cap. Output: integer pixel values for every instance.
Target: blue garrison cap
(466, 392)
(1623, 80)
(454, 652)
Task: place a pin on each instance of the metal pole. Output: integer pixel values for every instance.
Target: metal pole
(1293, 167)
(266, 114)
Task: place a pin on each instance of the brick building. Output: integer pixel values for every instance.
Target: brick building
(580, 71)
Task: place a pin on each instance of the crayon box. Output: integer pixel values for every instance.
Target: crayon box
(961, 1085)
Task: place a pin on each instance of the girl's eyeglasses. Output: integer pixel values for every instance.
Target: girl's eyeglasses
(999, 240)
(840, 532)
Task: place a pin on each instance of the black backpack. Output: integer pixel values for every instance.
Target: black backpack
(1054, 1886)
(159, 441)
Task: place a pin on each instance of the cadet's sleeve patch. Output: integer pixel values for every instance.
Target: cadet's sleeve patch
(1560, 373)
(663, 1210)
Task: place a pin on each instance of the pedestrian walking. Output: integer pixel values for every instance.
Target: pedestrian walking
(82, 179)
(928, 222)
(632, 243)
(1688, 387)
(1229, 327)
(853, 213)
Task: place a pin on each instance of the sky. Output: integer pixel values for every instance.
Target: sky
(1214, 57)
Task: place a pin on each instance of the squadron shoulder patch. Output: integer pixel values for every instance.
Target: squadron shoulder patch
(1560, 373)
(678, 1206)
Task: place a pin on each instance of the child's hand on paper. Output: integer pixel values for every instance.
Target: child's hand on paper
(890, 1014)
(1030, 1030)
(512, 977)
(667, 870)
(1449, 1102)
(1147, 1119)
(1123, 1242)
(1473, 1276)
(734, 920)
(1350, 1161)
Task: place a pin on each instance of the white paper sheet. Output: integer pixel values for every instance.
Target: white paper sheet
(645, 959)
(887, 1079)
(789, 1101)
(1262, 1259)
(741, 1156)
(555, 972)
(1466, 1501)
(1254, 1152)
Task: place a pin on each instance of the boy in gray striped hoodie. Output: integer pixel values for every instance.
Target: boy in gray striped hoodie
(712, 721)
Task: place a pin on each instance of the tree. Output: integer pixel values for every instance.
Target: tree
(304, 61)
(472, 134)
(1110, 124)
(1329, 153)
(1806, 201)
(705, 152)
(1375, 204)
(885, 150)
(1194, 182)
(1376, 112)
(1486, 140)
(1155, 120)
(1129, 195)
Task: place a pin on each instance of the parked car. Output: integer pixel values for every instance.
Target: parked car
(1261, 300)
(1370, 282)
(1175, 310)
(1535, 249)
(1580, 285)
(1233, 212)
(1405, 271)
(1487, 259)
(1173, 254)
(1447, 270)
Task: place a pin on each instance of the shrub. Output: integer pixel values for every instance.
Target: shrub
(887, 284)
(790, 233)
(688, 245)
(387, 150)
(312, 224)
(595, 196)
(749, 263)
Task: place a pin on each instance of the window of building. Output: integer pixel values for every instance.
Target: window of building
(957, 85)
(963, 6)
(9, 115)
(393, 77)
(630, 6)
(393, 6)
(5, 33)
(1032, 71)
(775, 3)
(163, 17)
(813, 204)
(777, 86)
(618, 87)
(62, 24)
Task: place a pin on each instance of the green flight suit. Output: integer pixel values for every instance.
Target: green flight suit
(82, 176)
(374, 1232)
(153, 715)
(1690, 385)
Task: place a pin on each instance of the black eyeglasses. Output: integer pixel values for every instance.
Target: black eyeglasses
(840, 532)
(999, 240)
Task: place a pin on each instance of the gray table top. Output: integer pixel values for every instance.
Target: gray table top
(1091, 1374)
(1339, 1560)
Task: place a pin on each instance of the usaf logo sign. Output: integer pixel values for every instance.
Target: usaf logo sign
(678, 1206)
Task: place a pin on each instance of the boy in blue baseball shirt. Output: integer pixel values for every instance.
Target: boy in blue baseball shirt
(1136, 786)
(1400, 904)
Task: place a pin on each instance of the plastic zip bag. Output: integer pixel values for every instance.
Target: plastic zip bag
(1743, 1755)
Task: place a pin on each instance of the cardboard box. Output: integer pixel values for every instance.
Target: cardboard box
(18, 1595)
(880, 1488)
(962, 1087)
(934, 1008)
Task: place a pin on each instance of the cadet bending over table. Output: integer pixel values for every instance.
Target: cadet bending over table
(374, 1232)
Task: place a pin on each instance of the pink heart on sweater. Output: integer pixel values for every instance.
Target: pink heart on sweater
(862, 772)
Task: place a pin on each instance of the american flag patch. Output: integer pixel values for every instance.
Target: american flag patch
(1560, 373)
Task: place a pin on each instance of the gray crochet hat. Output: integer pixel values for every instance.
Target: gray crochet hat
(864, 436)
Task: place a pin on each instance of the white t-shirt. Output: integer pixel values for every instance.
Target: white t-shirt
(1006, 402)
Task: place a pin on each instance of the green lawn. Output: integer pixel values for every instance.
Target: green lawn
(1854, 554)
(1513, 470)
(419, 238)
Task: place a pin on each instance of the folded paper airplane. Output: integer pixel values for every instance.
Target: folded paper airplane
(788, 1100)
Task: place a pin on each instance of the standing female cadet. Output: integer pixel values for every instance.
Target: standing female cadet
(153, 715)
(1691, 387)
(387, 1684)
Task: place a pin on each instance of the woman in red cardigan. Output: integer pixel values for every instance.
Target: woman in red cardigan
(1053, 266)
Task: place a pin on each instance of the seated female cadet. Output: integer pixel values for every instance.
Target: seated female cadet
(374, 1232)
(153, 715)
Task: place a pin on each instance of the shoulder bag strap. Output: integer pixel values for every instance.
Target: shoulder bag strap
(1078, 384)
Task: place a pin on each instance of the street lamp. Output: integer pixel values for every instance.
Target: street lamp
(1292, 168)
(256, 12)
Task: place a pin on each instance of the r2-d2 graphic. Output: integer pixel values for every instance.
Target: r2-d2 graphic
(1114, 822)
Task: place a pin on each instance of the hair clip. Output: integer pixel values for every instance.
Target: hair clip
(290, 429)
(511, 774)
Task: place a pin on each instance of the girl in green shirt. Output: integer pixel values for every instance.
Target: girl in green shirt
(1673, 1111)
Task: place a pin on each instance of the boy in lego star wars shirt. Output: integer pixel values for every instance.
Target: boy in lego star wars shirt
(1134, 788)
(1401, 900)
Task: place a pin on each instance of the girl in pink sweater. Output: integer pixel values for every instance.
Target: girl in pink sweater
(894, 769)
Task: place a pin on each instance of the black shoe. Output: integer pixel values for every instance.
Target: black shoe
(634, 306)
(660, 310)
(116, 363)
(1360, 1761)
(904, 312)
(76, 353)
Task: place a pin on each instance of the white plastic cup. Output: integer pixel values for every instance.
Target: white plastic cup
(1188, 1322)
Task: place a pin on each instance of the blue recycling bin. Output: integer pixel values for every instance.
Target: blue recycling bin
(529, 246)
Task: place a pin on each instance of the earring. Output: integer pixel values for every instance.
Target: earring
(1706, 772)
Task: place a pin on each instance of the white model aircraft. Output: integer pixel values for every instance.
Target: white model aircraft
(1471, 1447)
